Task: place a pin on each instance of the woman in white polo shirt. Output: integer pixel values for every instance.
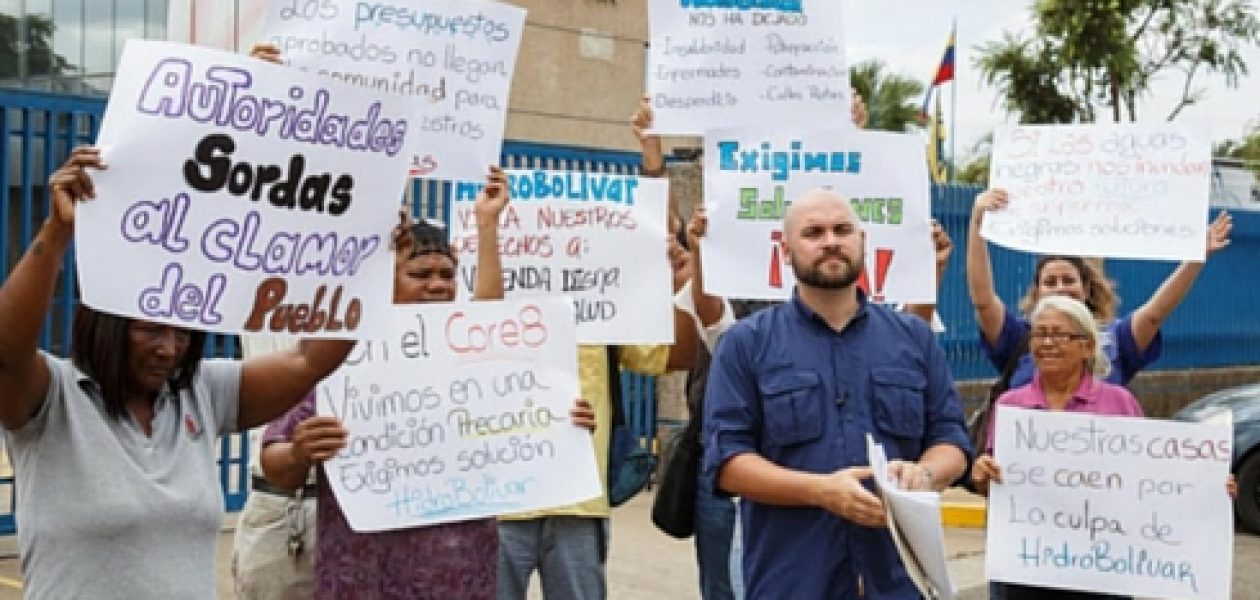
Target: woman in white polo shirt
(115, 449)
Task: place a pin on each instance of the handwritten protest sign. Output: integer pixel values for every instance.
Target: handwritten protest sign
(1111, 504)
(462, 413)
(751, 177)
(242, 196)
(452, 59)
(597, 237)
(1125, 191)
(716, 62)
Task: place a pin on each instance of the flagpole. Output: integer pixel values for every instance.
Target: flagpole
(953, 107)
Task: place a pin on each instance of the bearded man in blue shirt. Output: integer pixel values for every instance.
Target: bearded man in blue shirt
(793, 392)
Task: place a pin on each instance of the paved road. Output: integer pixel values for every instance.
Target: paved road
(647, 565)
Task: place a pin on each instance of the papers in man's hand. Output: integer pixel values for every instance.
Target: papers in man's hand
(914, 520)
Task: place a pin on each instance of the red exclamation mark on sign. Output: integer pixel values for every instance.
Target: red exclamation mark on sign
(776, 259)
(883, 259)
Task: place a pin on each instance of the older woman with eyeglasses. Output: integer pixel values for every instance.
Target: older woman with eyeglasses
(1071, 368)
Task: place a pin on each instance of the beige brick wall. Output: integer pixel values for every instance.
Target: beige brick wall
(580, 73)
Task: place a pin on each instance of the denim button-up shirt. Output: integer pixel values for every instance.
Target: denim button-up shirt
(786, 386)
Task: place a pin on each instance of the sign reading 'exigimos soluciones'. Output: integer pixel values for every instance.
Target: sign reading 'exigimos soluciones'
(242, 196)
(752, 176)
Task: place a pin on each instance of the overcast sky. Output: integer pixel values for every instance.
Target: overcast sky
(909, 35)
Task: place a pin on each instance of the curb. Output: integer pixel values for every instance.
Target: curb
(963, 514)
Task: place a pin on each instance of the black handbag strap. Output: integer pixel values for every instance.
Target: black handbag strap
(697, 384)
(1012, 363)
(614, 386)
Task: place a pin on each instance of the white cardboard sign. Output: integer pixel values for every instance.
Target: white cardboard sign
(599, 238)
(242, 197)
(1111, 504)
(461, 413)
(751, 177)
(1122, 191)
(714, 63)
(451, 59)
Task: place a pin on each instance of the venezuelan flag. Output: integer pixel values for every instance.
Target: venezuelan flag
(944, 74)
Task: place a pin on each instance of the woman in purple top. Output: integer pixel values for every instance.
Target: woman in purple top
(1065, 347)
(1071, 368)
(453, 560)
(1130, 342)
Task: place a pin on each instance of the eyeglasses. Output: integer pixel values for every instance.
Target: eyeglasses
(1058, 337)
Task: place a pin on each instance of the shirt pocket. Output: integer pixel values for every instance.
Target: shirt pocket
(899, 401)
(793, 407)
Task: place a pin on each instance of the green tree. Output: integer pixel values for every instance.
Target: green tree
(1095, 59)
(892, 100)
(975, 169)
(40, 58)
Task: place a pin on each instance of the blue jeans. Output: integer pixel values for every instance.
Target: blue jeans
(715, 522)
(568, 552)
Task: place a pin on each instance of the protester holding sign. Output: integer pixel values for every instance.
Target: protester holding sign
(1130, 343)
(114, 448)
(1066, 348)
(455, 560)
(568, 545)
(1068, 355)
(704, 318)
(697, 324)
(793, 393)
(1071, 368)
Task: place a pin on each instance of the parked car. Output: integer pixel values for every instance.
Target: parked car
(1234, 185)
(1244, 401)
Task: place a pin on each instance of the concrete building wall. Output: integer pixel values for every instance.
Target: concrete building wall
(579, 74)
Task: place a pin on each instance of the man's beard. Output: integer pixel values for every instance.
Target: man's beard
(814, 276)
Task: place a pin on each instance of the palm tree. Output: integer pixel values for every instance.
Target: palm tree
(892, 100)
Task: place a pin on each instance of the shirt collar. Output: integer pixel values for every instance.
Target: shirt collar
(87, 384)
(1086, 393)
(808, 315)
